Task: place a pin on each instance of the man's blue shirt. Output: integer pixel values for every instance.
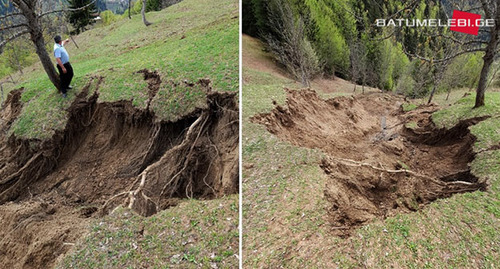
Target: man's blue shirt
(60, 52)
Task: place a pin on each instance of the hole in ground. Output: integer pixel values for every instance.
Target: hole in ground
(376, 167)
(109, 154)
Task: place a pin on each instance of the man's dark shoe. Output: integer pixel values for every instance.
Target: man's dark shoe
(64, 95)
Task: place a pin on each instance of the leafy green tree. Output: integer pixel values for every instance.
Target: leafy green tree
(81, 18)
(332, 28)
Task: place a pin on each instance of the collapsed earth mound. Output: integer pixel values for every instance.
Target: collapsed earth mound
(109, 154)
(380, 160)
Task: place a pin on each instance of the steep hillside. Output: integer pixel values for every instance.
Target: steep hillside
(147, 139)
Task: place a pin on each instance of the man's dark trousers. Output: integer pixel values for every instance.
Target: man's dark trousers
(65, 78)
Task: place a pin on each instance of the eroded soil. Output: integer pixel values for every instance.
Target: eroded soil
(380, 160)
(109, 154)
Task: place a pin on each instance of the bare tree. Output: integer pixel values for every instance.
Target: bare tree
(288, 42)
(143, 13)
(439, 68)
(491, 11)
(15, 61)
(27, 19)
(358, 64)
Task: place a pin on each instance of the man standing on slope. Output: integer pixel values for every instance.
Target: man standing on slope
(63, 65)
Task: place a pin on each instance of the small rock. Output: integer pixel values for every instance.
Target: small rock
(176, 259)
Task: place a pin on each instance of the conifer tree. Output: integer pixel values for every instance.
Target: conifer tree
(83, 17)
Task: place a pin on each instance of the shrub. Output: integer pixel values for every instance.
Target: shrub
(108, 17)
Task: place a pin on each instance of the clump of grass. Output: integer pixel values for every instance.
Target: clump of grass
(411, 125)
(408, 107)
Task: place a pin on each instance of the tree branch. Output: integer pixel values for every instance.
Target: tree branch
(66, 9)
(385, 37)
(444, 59)
(10, 15)
(12, 37)
(13, 26)
(473, 9)
(458, 41)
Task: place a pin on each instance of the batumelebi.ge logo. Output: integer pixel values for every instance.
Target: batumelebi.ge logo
(463, 22)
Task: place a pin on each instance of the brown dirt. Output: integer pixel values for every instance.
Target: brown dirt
(375, 171)
(154, 83)
(109, 154)
(256, 58)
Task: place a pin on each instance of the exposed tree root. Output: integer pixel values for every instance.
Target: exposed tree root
(185, 168)
(433, 180)
(109, 154)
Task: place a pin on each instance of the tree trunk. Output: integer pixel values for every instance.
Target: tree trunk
(354, 87)
(36, 36)
(45, 59)
(488, 58)
(432, 94)
(129, 15)
(437, 80)
(143, 13)
(483, 78)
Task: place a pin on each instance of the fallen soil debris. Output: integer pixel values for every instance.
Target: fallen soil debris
(109, 154)
(380, 159)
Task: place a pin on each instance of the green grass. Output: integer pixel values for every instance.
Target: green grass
(411, 125)
(408, 107)
(194, 234)
(176, 100)
(188, 41)
(487, 133)
(285, 216)
(463, 109)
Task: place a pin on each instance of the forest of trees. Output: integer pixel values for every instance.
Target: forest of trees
(339, 38)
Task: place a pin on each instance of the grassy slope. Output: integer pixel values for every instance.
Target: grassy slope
(285, 218)
(192, 40)
(191, 235)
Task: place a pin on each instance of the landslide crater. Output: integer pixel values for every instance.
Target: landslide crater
(380, 160)
(109, 154)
